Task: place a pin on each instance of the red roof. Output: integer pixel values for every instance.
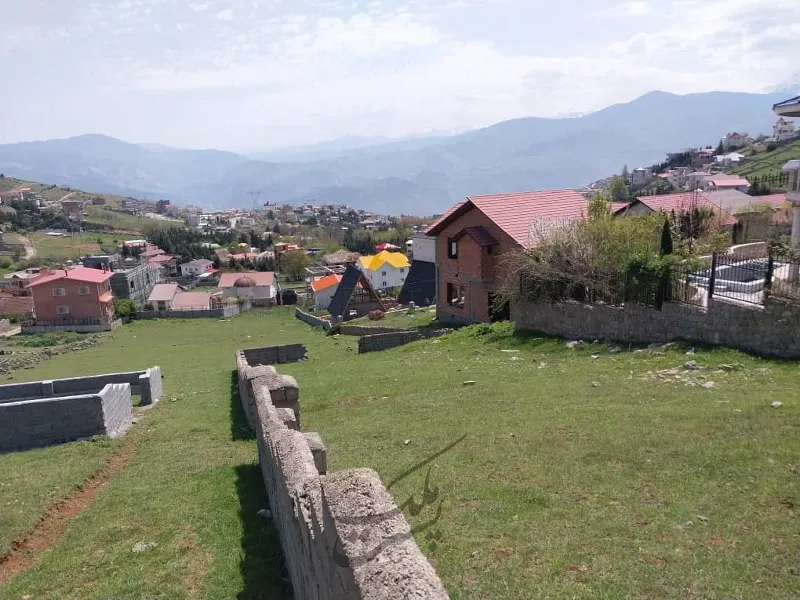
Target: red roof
(159, 258)
(516, 213)
(774, 200)
(444, 217)
(191, 301)
(677, 202)
(78, 274)
(727, 181)
(262, 278)
(325, 282)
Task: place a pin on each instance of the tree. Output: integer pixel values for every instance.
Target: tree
(294, 265)
(618, 190)
(599, 207)
(270, 241)
(626, 174)
(720, 149)
(161, 206)
(276, 229)
(666, 239)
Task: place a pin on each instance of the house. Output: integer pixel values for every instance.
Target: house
(783, 129)
(77, 299)
(420, 284)
(640, 177)
(340, 258)
(19, 283)
(260, 287)
(668, 203)
(191, 301)
(354, 296)
(162, 295)
(472, 235)
(731, 159)
(735, 140)
(726, 182)
(323, 289)
(384, 270)
(136, 282)
(196, 267)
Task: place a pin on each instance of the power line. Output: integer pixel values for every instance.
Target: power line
(255, 195)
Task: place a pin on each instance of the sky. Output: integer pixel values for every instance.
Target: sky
(247, 74)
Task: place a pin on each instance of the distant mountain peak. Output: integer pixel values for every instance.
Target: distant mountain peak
(789, 86)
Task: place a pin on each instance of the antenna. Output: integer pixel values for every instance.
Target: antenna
(255, 195)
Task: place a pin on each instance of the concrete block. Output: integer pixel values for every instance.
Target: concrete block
(318, 450)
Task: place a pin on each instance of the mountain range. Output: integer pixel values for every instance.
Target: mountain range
(414, 175)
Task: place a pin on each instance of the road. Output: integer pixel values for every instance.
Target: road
(65, 196)
(30, 249)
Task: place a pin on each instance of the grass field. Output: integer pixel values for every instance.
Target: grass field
(768, 163)
(582, 474)
(422, 317)
(67, 247)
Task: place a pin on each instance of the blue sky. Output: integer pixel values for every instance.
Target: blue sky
(239, 74)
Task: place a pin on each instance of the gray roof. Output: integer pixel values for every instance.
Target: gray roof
(730, 199)
(792, 165)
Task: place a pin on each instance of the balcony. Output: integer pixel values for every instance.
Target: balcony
(788, 108)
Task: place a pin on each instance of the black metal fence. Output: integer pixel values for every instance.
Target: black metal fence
(748, 278)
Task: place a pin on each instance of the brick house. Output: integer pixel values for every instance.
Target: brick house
(76, 299)
(472, 235)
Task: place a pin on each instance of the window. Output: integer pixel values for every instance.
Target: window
(383, 273)
(62, 310)
(452, 249)
(83, 290)
(402, 270)
(133, 285)
(455, 295)
(59, 292)
(490, 250)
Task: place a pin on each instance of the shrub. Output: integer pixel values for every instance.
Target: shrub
(5, 263)
(42, 340)
(125, 307)
(376, 315)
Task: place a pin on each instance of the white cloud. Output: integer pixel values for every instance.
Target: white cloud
(225, 14)
(198, 6)
(633, 8)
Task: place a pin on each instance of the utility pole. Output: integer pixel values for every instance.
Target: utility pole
(255, 195)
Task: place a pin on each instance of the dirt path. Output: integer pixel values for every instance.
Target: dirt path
(30, 248)
(57, 517)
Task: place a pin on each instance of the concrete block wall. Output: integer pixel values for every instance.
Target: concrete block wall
(342, 536)
(771, 330)
(360, 330)
(384, 341)
(46, 421)
(312, 320)
(274, 355)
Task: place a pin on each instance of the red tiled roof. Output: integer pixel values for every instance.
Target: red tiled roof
(325, 282)
(727, 181)
(516, 213)
(16, 306)
(444, 217)
(163, 292)
(79, 274)
(677, 202)
(191, 301)
(774, 200)
(262, 278)
(160, 258)
(618, 206)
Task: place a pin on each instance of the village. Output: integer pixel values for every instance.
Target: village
(590, 392)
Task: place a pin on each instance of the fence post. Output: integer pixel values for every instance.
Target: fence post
(712, 278)
(768, 276)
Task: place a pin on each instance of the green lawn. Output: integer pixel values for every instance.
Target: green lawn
(768, 163)
(421, 317)
(69, 247)
(579, 476)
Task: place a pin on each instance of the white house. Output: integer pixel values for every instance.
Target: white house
(726, 182)
(423, 248)
(324, 288)
(259, 287)
(783, 130)
(196, 268)
(384, 270)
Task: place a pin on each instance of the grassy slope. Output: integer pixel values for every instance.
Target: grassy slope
(768, 163)
(66, 247)
(560, 489)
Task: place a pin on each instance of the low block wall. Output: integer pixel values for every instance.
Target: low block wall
(77, 328)
(147, 384)
(772, 330)
(384, 341)
(312, 320)
(274, 355)
(47, 421)
(360, 330)
(342, 536)
(211, 313)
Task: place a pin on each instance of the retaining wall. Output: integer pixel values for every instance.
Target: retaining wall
(384, 341)
(274, 355)
(360, 330)
(312, 320)
(77, 328)
(211, 313)
(146, 384)
(342, 536)
(771, 330)
(46, 421)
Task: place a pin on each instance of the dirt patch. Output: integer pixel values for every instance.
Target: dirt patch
(195, 561)
(57, 517)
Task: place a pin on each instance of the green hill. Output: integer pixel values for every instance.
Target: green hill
(763, 163)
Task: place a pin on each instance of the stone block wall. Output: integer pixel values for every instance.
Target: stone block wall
(770, 330)
(274, 355)
(384, 341)
(342, 536)
(46, 421)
